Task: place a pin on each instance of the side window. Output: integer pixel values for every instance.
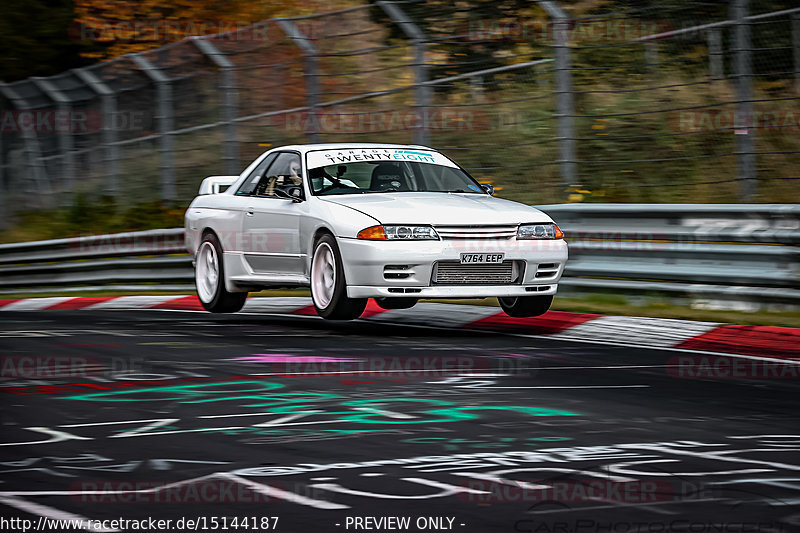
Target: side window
(250, 184)
(283, 173)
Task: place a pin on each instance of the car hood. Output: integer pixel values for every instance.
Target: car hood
(438, 208)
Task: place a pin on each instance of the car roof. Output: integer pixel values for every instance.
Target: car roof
(346, 146)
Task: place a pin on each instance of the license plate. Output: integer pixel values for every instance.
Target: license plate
(481, 259)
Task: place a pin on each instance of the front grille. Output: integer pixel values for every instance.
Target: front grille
(477, 232)
(454, 273)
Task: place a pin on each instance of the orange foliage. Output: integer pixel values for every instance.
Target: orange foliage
(138, 25)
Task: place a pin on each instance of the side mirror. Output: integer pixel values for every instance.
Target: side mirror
(488, 187)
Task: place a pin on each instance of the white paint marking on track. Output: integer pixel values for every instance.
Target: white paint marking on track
(105, 492)
(582, 387)
(273, 492)
(276, 305)
(131, 302)
(649, 347)
(50, 512)
(645, 330)
(621, 504)
(35, 304)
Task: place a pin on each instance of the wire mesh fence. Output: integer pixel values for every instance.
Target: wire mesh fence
(618, 102)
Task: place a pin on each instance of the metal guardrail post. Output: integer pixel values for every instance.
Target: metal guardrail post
(715, 55)
(745, 134)
(230, 98)
(565, 105)
(165, 123)
(108, 102)
(65, 144)
(33, 153)
(310, 53)
(423, 91)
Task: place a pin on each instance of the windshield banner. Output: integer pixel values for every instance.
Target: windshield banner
(322, 158)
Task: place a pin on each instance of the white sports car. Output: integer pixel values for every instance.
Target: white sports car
(356, 221)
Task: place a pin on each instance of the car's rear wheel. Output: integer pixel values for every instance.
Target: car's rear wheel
(396, 303)
(524, 306)
(209, 276)
(328, 284)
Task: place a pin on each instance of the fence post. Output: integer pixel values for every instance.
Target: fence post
(565, 105)
(229, 93)
(310, 53)
(651, 56)
(715, 55)
(65, 144)
(33, 153)
(165, 124)
(743, 123)
(423, 90)
(796, 49)
(108, 103)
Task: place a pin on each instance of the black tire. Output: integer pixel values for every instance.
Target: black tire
(396, 303)
(525, 306)
(338, 306)
(218, 299)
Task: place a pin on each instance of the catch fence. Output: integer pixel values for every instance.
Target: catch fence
(654, 104)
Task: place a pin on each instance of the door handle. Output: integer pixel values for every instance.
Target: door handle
(250, 211)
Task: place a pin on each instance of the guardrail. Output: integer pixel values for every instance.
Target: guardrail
(741, 252)
(727, 252)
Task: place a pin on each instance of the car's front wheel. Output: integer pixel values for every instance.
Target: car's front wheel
(209, 276)
(328, 285)
(524, 306)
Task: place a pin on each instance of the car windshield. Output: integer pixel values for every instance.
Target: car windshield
(389, 176)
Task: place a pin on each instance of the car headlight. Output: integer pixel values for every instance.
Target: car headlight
(398, 233)
(539, 231)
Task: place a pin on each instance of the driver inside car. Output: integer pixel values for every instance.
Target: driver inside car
(320, 179)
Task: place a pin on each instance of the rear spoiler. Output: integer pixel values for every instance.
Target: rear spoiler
(216, 184)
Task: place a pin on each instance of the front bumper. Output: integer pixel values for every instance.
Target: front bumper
(365, 261)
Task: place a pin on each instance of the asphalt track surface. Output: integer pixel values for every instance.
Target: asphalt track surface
(340, 426)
